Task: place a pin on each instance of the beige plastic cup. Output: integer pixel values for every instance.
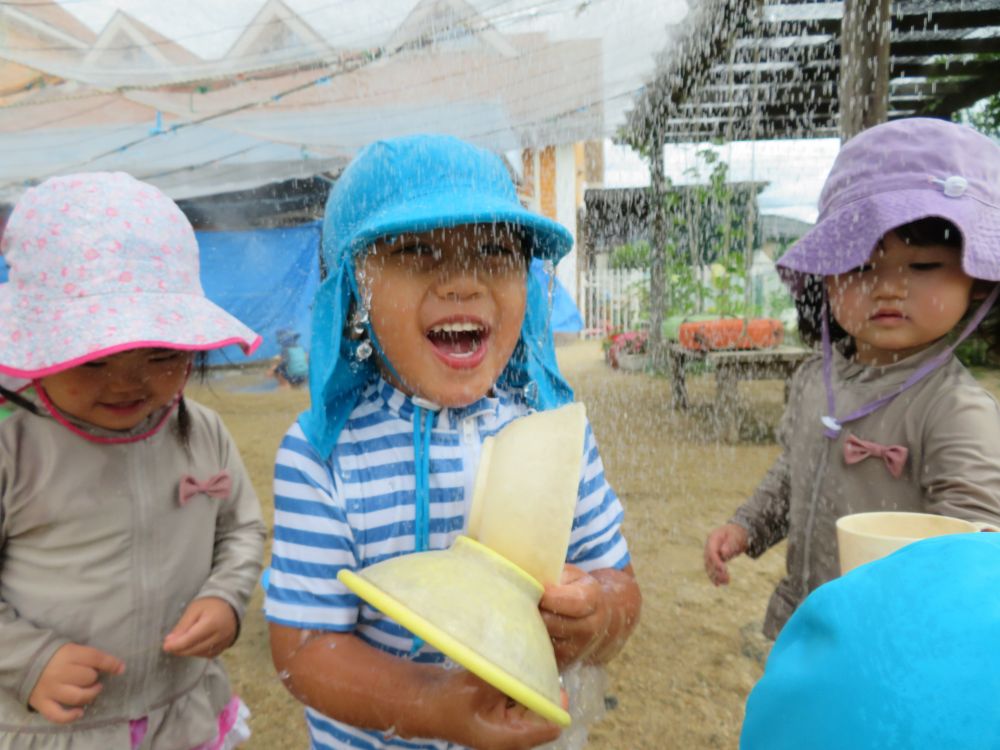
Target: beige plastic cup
(863, 537)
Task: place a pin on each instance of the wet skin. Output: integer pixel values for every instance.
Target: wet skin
(120, 391)
(902, 300)
(446, 307)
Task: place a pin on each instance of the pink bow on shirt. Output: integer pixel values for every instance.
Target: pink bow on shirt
(894, 456)
(218, 485)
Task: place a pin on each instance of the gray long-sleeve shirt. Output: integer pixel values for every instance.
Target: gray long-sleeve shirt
(949, 424)
(96, 549)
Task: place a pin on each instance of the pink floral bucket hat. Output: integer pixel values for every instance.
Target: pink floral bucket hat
(100, 263)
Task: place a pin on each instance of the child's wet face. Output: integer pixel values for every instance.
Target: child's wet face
(904, 299)
(120, 391)
(446, 307)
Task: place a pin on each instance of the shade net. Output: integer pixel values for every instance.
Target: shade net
(204, 98)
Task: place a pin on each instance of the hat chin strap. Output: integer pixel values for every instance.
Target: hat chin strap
(832, 425)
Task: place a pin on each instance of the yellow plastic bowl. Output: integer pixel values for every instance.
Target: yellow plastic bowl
(477, 608)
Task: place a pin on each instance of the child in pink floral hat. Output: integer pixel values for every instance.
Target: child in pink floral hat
(130, 535)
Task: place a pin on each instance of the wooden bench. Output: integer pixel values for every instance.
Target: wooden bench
(731, 366)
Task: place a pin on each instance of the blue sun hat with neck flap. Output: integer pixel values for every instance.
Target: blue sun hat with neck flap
(416, 184)
(898, 654)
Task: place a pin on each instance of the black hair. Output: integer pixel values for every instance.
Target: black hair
(810, 304)
(933, 230)
(199, 369)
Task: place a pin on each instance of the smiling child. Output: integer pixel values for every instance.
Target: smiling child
(428, 336)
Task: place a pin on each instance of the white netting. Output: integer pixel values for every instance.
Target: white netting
(207, 97)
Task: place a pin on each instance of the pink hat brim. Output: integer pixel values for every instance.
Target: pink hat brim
(42, 339)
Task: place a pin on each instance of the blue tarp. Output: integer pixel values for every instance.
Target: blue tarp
(565, 317)
(266, 277)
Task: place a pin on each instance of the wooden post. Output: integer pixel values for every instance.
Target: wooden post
(657, 253)
(864, 65)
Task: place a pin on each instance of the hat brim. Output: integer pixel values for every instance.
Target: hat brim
(58, 335)
(551, 241)
(846, 238)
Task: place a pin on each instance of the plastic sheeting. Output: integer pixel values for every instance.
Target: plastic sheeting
(203, 98)
(267, 278)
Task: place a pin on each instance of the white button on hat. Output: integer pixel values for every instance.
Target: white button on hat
(955, 186)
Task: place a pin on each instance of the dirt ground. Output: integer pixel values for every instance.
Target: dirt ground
(683, 678)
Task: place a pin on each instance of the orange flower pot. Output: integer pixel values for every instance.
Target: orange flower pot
(730, 333)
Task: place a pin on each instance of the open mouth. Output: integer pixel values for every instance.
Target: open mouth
(458, 340)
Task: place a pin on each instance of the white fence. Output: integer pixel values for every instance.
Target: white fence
(612, 298)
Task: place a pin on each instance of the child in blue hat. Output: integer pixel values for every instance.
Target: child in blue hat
(292, 368)
(429, 335)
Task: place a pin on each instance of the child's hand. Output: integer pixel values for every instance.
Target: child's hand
(484, 718)
(207, 628)
(722, 545)
(70, 681)
(577, 613)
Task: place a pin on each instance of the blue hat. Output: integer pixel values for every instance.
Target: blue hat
(286, 337)
(899, 653)
(416, 184)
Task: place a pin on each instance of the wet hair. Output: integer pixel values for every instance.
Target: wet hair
(521, 234)
(932, 230)
(809, 304)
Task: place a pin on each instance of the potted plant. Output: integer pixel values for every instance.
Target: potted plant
(628, 350)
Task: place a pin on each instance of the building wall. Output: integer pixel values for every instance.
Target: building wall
(565, 208)
(554, 179)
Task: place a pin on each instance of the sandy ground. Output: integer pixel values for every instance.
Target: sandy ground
(682, 680)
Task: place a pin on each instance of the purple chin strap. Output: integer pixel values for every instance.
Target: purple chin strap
(832, 425)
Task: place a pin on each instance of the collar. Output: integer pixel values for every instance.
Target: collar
(401, 405)
(885, 376)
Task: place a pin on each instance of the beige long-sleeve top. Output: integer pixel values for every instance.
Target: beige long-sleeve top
(949, 424)
(96, 549)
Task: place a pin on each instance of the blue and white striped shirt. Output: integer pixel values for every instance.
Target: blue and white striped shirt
(358, 508)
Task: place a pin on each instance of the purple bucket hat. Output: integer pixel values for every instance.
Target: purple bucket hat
(101, 263)
(896, 173)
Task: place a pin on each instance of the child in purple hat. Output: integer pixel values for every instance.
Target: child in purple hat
(901, 267)
(130, 535)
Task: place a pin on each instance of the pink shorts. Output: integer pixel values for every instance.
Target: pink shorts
(227, 720)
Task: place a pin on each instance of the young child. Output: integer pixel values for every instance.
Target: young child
(428, 336)
(897, 654)
(130, 535)
(292, 368)
(899, 268)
